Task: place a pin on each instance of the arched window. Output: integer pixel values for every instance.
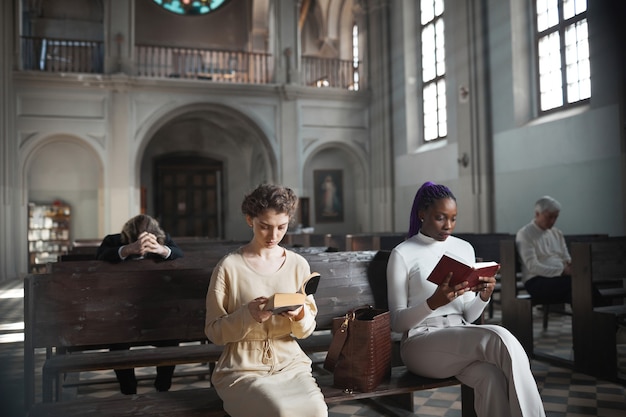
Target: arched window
(435, 114)
(562, 43)
(355, 58)
(191, 7)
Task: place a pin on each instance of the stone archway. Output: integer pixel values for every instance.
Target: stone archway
(196, 166)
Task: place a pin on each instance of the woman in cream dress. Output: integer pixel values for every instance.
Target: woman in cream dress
(263, 371)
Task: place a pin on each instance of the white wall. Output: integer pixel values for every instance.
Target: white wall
(68, 171)
(575, 156)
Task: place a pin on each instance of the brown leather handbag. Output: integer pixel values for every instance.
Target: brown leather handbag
(360, 351)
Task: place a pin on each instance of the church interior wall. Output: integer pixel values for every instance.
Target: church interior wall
(112, 127)
(68, 171)
(568, 155)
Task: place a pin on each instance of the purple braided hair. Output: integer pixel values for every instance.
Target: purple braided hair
(424, 198)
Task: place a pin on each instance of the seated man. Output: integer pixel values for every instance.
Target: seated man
(141, 237)
(546, 262)
(545, 259)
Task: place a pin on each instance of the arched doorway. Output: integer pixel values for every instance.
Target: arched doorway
(188, 195)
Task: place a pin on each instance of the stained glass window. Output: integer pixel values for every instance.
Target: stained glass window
(191, 7)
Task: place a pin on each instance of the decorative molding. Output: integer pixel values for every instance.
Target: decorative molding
(99, 138)
(308, 142)
(25, 137)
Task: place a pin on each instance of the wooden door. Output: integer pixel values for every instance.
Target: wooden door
(188, 196)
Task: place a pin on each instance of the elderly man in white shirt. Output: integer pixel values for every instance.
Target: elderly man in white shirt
(545, 260)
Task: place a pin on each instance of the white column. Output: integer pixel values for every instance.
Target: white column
(379, 83)
(13, 205)
(120, 36)
(287, 51)
(121, 185)
(287, 74)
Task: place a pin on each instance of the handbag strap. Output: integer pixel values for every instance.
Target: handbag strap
(336, 344)
(339, 339)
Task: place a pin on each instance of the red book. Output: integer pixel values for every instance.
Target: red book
(461, 271)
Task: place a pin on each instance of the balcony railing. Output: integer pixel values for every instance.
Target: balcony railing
(62, 55)
(77, 56)
(207, 64)
(330, 72)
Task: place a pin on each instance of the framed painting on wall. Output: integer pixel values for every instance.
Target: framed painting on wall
(328, 193)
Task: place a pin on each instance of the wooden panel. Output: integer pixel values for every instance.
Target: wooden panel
(94, 309)
(486, 245)
(593, 332)
(516, 312)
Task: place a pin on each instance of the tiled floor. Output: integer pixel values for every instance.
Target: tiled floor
(564, 392)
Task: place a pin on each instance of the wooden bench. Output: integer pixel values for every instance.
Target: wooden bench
(96, 308)
(306, 239)
(374, 241)
(198, 259)
(601, 263)
(517, 305)
(78, 311)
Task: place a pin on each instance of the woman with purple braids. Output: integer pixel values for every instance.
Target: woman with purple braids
(439, 340)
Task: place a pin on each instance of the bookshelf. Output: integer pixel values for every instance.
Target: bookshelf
(48, 233)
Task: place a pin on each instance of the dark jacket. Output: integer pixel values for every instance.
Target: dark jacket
(108, 249)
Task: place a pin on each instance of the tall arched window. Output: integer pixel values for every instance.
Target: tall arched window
(435, 115)
(562, 43)
(355, 58)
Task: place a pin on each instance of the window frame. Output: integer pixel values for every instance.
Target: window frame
(560, 28)
(437, 79)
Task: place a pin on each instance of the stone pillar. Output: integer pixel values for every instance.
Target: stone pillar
(379, 83)
(121, 174)
(287, 51)
(119, 21)
(287, 75)
(13, 206)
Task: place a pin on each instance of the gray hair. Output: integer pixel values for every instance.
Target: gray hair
(547, 203)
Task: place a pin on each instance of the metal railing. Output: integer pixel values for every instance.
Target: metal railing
(206, 64)
(331, 72)
(62, 55)
(79, 56)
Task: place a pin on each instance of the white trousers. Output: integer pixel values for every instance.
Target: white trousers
(487, 358)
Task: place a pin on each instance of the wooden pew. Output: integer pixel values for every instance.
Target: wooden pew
(517, 309)
(201, 259)
(64, 309)
(305, 239)
(486, 245)
(516, 304)
(94, 309)
(85, 246)
(603, 264)
(374, 241)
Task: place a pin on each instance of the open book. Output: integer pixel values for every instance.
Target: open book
(461, 271)
(280, 302)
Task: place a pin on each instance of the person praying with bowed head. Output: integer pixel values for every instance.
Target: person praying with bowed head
(439, 339)
(263, 371)
(141, 237)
